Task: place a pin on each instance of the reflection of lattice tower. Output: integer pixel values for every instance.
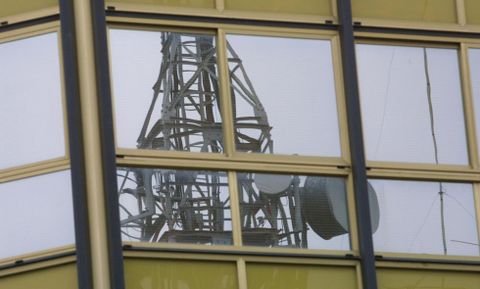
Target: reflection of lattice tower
(189, 119)
(188, 207)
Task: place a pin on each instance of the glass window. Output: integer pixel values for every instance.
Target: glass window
(411, 101)
(426, 217)
(283, 95)
(474, 58)
(166, 91)
(31, 114)
(36, 214)
(407, 10)
(183, 3)
(175, 206)
(472, 9)
(293, 211)
(149, 273)
(310, 7)
(296, 276)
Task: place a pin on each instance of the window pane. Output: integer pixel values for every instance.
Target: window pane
(411, 102)
(311, 7)
(412, 219)
(407, 10)
(474, 57)
(36, 214)
(293, 211)
(31, 114)
(166, 91)
(182, 3)
(12, 7)
(175, 206)
(283, 93)
(472, 9)
(290, 276)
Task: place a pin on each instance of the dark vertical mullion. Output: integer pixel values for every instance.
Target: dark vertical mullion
(115, 253)
(75, 136)
(356, 144)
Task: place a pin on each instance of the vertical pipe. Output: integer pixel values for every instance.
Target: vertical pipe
(77, 163)
(369, 279)
(92, 145)
(107, 144)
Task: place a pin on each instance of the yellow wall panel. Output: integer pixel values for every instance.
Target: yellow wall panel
(408, 10)
(178, 274)
(58, 277)
(180, 3)
(472, 8)
(422, 279)
(310, 7)
(281, 276)
(13, 7)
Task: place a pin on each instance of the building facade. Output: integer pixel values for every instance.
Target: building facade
(240, 144)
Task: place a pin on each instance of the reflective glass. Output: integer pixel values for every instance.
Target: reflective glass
(31, 113)
(165, 91)
(36, 214)
(310, 7)
(472, 9)
(474, 58)
(174, 206)
(289, 276)
(426, 217)
(293, 211)
(181, 274)
(411, 101)
(182, 3)
(283, 95)
(415, 11)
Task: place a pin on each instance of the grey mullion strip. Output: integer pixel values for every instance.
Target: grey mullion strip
(75, 135)
(328, 25)
(356, 144)
(109, 171)
(7, 26)
(417, 32)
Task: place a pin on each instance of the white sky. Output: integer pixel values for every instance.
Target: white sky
(410, 218)
(301, 110)
(36, 214)
(31, 114)
(474, 57)
(394, 104)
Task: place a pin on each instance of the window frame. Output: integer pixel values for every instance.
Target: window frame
(232, 161)
(433, 172)
(49, 166)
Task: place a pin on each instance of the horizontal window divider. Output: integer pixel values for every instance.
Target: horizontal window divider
(40, 262)
(435, 32)
(389, 261)
(229, 164)
(237, 157)
(240, 252)
(423, 175)
(421, 167)
(224, 19)
(28, 20)
(30, 170)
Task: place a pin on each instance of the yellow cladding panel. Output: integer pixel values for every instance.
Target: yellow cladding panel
(58, 277)
(472, 8)
(310, 7)
(408, 10)
(181, 3)
(421, 279)
(12, 7)
(176, 274)
(282, 276)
